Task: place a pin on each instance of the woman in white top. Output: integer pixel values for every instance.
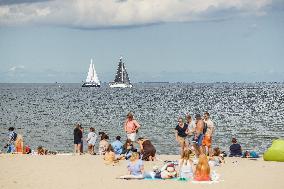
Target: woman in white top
(103, 145)
(185, 165)
(91, 140)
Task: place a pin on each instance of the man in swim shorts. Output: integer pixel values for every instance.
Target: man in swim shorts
(207, 140)
(198, 136)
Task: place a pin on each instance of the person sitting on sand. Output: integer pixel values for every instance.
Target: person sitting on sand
(110, 156)
(91, 140)
(117, 146)
(248, 154)
(185, 165)
(128, 149)
(235, 149)
(168, 171)
(135, 167)
(147, 149)
(103, 145)
(41, 150)
(216, 158)
(202, 171)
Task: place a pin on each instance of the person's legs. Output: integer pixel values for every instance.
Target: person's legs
(79, 148)
(181, 144)
(75, 148)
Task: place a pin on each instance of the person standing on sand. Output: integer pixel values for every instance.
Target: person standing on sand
(198, 136)
(191, 127)
(131, 127)
(207, 140)
(77, 139)
(91, 140)
(181, 131)
(82, 141)
(12, 136)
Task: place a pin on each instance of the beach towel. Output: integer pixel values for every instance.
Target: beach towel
(131, 177)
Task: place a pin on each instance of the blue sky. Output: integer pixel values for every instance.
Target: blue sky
(169, 40)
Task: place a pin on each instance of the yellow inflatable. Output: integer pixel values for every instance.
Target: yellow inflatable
(275, 152)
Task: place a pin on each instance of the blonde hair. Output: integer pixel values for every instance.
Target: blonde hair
(134, 156)
(202, 168)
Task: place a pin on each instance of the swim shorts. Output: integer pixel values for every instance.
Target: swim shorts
(207, 140)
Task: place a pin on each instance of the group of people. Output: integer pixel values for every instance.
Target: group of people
(116, 150)
(15, 143)
(196, 134)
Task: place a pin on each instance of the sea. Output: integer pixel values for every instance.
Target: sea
(46, 114)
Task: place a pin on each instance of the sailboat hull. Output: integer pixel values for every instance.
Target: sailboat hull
(91, 85)
(120, 85)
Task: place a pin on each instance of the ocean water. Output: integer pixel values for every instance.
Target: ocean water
(45, 114)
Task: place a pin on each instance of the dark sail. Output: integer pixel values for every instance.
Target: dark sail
(121, 74)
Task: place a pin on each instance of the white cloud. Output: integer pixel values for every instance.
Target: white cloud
(108, 13)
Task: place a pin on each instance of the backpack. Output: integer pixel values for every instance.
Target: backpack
(204, 128)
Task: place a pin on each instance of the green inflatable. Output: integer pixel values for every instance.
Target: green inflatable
(275, 152)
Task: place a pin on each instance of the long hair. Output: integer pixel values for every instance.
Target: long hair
(185, 155)
(128, 141)
(202, 168)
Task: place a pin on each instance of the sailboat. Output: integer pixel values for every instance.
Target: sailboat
(121, 79)
(92, 78)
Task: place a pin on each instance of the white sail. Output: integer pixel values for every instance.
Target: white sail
(92, 76)
(95, 78)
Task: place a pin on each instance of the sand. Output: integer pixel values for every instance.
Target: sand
(86, 171)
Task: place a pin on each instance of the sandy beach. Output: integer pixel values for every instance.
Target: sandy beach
(86, 171)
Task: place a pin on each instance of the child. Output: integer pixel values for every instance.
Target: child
(91, 140)
(202, 171)
(217, 158)
(185, 165)
(110, 156)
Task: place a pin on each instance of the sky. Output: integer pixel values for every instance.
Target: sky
(47, 41)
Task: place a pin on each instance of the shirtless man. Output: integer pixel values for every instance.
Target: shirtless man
(207, 140)
(198, 136)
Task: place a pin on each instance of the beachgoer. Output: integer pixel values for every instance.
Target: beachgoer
(117, 146)
(191, 128)
(103, 145)
(148, 151)
(135, 168)
(82, 141)
(109, 156)
(168, 171)
(91, 140)
(41, 150)
(185, 165)
(202, 171)
(135, 165)
(216, 158)
(235, 149)
(198, 136)
(77, 139)
(128, 149)
(12, 136)
(181, 131)
(207, 140)
(19, 144)
(131, 127)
